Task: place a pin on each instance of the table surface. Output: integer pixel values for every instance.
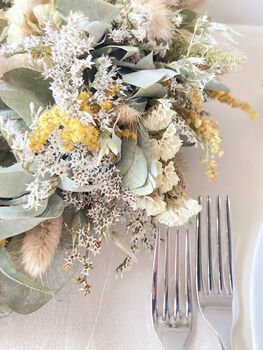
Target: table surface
(116, 315)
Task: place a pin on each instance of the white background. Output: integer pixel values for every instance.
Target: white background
(236, 11)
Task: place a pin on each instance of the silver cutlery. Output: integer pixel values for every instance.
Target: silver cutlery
(215, 281)
(172, 306)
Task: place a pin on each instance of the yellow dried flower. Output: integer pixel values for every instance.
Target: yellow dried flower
(196, 101)
(107, 105)
(208, 133)
(73, 131)
(126, 133)
(66, 267)
(3, 242)
(227, 98)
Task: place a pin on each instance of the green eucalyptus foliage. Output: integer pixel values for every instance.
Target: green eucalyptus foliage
(5, 310)
(136, 165)
(27, 219)
(23, 298)
(94, 10)
(13, 181)
(8, 269)
(21, 87)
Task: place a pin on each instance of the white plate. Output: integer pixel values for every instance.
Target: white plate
(257, 293)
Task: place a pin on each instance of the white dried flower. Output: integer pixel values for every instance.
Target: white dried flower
(155, 149)
(167, 177)
(160, 116)
(170, 143)
(153, 204)
(179, 211)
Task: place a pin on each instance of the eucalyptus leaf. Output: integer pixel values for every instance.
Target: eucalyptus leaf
(15, 226)
(215, 85)
(3, 26)
(97, 30)
(138, 103)
(154, 91)
(127, 155)
(146, 78)
(66, 184)
(26, 300)
(120, 243)
(8, 114)
(145, 190)
(7, 268)
(8, 212)
(94, 10)
(13, 181)
(146, 62)
(4, 308)
(2, 104)
(137, 174)
(128, 51)
(27, 87)
(144, 143)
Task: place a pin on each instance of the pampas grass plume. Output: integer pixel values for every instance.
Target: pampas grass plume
(39, 246)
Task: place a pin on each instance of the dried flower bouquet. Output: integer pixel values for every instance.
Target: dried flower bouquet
(96, 100)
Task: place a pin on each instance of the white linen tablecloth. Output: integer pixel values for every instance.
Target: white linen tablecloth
(116, 316)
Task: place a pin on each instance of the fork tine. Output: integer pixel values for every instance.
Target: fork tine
(199, 250)
(155, 275)
(188, 276)
(210, 268)
(219, 245)
(166, 277)
(176, 276)
(229, 243)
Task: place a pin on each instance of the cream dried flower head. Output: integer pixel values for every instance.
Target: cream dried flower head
(170, 143)
(153, 204)
(179, 211)
(168, 146)
(18, 15)
(159, 116)
(167, 177)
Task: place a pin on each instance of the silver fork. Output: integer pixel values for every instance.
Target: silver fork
(215, 292)
(172, 324)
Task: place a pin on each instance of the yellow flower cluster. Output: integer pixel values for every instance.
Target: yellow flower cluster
(208, 133)
(126, 133)
(226, 97)
(87, 106)
(66, 267)
(3, 242)
(73, 131)
(196, 101)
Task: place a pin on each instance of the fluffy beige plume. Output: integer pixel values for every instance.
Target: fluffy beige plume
(39, 246)
(126, 115)
(159, 25)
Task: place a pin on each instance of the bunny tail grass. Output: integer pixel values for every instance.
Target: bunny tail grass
(39, 246)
